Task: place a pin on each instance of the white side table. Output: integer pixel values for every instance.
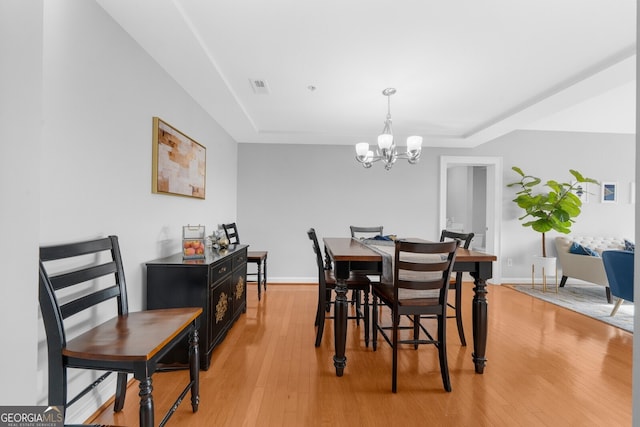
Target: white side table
(548, 267)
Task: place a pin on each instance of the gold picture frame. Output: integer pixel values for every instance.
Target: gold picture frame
(179, 164)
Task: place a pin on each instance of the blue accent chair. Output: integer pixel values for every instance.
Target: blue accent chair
(619, 268)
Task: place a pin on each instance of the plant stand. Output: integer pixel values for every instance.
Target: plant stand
(546, 265)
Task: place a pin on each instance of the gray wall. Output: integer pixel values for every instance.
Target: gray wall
(20, 131)
(283, 190)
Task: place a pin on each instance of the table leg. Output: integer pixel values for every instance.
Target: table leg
(264, 278)
(479, 312)
(340, 317)
(258, 280)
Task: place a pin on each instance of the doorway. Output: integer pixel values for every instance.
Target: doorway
(485, 174)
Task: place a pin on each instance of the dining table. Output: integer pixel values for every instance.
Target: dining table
(352, 254)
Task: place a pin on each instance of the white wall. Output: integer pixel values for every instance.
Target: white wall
(20, 128)
(324, 187)
(91, 176)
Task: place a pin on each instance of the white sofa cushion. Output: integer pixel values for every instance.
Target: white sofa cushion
(584, 267)
(599, 244)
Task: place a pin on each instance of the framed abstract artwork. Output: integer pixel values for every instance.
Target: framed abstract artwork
(609, 192)
(179, 162)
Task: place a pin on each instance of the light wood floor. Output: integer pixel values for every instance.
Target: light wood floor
(547, 366)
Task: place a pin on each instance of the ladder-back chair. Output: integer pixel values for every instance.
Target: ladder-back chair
(456, 282)
(259, 258)
(327, 282)
(76, 282)
(420, 285)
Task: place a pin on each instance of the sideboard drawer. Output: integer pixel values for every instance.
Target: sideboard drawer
(239, 259)
(221, 269)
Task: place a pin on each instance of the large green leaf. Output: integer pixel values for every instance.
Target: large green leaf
(553, 209)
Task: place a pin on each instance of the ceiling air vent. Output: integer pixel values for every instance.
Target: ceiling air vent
(259, 86)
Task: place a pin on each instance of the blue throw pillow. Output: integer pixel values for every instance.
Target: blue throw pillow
(578, 249)
(629, 246)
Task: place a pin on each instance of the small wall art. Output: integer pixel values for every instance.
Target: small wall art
(581, 190)
(179, 162)
(609, 192)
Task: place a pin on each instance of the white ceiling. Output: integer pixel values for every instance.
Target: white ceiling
(466, 71)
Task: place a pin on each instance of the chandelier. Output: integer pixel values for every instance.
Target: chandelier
(387, 151)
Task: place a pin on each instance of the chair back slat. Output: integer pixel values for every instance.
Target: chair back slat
(432, 265)
(49, 253)
(466, 238)
(90, 300)
(362, 232)
(65, 280)
(231, 231)
(84, 286)
(424, 266)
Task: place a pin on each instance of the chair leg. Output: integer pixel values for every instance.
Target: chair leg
(375, 324)
(320, 306)
(463, 341)
(194, 369)
(146, 402)
(356, 296)
(320, 315)
(616, 307)
(121, 391)
(394, 367)
(366, 318)
(264, 277)
(563, 281)
(416, 330)
(442, 352)
(259, 276)
(609, 296)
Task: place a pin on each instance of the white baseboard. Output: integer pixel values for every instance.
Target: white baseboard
(291, 280)
(527, 281)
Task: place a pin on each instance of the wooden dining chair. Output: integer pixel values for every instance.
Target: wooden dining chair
(78, 280)
(421, 273)
(327, 282)
(259, 258)
(456, 280)
(365, 232)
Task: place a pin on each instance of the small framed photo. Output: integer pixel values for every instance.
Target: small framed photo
(581, 190)
(609, 192)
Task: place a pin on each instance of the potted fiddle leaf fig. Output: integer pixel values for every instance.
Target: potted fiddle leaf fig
(549, 206)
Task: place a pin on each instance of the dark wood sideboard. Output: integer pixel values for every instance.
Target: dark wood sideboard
(216, 283)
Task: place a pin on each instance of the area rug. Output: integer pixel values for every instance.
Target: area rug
(589, 300)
